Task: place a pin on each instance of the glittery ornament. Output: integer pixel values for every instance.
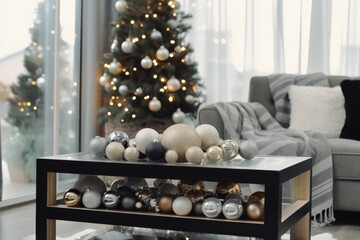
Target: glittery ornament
(185, 186)
(143, 194)
(194, 195)
(160, 181)
(114, 151)
(224, 188)
(258, 196)
(97, 146)
(194, 155)
(208, 134)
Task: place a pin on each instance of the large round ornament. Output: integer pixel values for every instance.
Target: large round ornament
(156, 35)
(144, 137)
(154, 104)
(224, 188)
(90, 182)
(127, 46)
(194, 155)
(118, 182)
(136, 183)
(172, 23)
(211, 207)
(143, 195)
(238, 196)
(104, 79)
(178, 116)
(171, 156)
(186, 186)
(114, 151)
(230, 149)
(214, 154)
(115, 46)
(182, 206)
(128, 202)
(175, 5)
(72, 197)
(194, 195)
(91, 199)
(131, 154)
(146, 62)
(162, 53)
(179, 137)
(155, 151)
(232, 209)
(108, 87)
(189, 99)
(165, 203)
(115, 67)
(120, 6)
(255, 210)
(125, 191)
(40, 82)
(111, 199)
(168, 189)
(173, 84)
(97, 146)
(208, 134)
(248, 149)
(120, 137)
(123, 90)
(160, 181)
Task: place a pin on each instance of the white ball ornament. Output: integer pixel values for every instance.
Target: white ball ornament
(182, 206)
(144, 137)
(127, 46)
(173, 84)
(171, 156)
(139, 91)
(108, 87)
(162, 53)
(248, 149)
(131, 154)
(178, 116)
(123, 90)
(40, 82)
(188, 59)
(104, 79)
(115, 67)
(177, 48)
(154, 104)
(146, 62)
(114, 151)
(91, 199)
(189, 99)
(121, 5)
(194, 155)
(208, 134)
(156, 35)
(172, 23)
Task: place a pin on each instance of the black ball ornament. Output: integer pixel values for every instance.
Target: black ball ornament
(155, 151)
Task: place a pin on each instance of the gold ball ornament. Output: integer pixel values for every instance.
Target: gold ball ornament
(255, 211)
(171, 156)
(230, 149)
(72, 197)
(224, 188)
(208, 134)
(165, 203)
(131, 154)
(248, 149)
(194, 155)
(186, 186)
(114, 151)
(144, 137)
(180, 137)
(214, 154)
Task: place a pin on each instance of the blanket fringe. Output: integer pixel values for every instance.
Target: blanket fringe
(323, 218)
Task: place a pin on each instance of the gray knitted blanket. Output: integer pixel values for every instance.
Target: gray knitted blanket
(251, 121)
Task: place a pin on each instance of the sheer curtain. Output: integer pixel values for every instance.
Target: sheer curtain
(237, 39)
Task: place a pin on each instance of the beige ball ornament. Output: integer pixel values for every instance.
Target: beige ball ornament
(144, 137)
(114, 151)
(171, 156)
(208, 134)
(180, 137)
(131, 154)
(194, 155)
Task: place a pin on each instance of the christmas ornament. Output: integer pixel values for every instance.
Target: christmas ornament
(171, 156)
(232, 209)
(111, 199)
(175, 5)
(198, 208)
(40, 82)
(178, 116)
(211, 207)
(131, 154)
(115, 46)
(119, 182)
(144, 137)
(143, 194)
(138, 205)
(230, 149)
(128, 202)
(127, 46)
(188, 59)
(91, 199)
(186, 186)
(189, 99)
(194, 195)
(168, 189)
(160, 181)
(125, 191)
(255, 210)
(258, 196)
(182, 206)
(123, 90)
(214, 154)
(172, 23)
(248, 149)
(115, 81)
(165, 203)
(97, 146)
(173, 84)
(72, 197)
(146, 62)
(154, 105)
(156, 35)
(194, 155)
(208, 134)
(179, 137)
(119, 136)
(132, 142)
(114, 151)
(162, 53)
(115, 67)
(138, 91)
(224, 188)
(104, 79)
(136, 183)
(155, 151)
(120, 6)
(108, 87)
(177, 49)
(237, 196)
(90, 182)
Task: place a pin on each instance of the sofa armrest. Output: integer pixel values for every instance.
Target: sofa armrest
(209, 115)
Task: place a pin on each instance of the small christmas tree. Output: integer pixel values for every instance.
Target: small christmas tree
(150, 72)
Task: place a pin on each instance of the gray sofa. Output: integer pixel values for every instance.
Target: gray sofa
(346, 153)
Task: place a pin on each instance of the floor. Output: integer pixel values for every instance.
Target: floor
(18, 223)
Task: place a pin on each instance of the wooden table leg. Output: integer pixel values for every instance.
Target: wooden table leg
(301, 190)
(51, 200)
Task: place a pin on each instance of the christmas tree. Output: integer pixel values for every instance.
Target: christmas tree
(150, 72)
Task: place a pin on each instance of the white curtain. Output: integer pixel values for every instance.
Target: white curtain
(237, 39)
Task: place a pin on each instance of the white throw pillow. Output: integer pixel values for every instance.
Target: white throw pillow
(319, 109)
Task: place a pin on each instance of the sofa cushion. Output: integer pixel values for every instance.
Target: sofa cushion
(346, 158)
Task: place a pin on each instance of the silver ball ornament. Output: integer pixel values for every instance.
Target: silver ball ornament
(230, 149)
(123, 90)
(155, 35)
(232, 209)
(162, 53)
(248, 149)
(189, 99)
(119, 136)
(115, 67)
(115, 46)
(173, 84)
(171, 156)
(154, 105)
(131, 154)
(104, 79)
(40, 82)
(114, 151)
(172, 23)
(120, 5)
(127, 46)
(111, 199)
(97, 146)
(178, 116)
(211, 207)
(146, 62)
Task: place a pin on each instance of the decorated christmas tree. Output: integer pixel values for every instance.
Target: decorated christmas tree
(150, 72)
